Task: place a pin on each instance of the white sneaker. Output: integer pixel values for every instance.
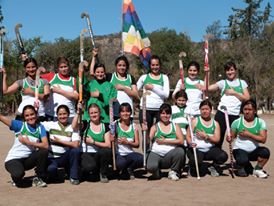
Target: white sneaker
(259, 173)
(173, 175)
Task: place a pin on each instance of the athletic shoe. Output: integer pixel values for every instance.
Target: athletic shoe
(241, 172)
(74, 181)
(173, 175)
(131, 173)
(155, 176)
(12, 183)
(259, 173)
(213, 171)
(38, 182)
(103, 178)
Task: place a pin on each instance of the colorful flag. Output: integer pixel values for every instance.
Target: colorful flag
(134, 38)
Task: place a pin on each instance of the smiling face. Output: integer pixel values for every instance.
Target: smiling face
(192, 72)
(63, 69)
(121, 67)
(231, 73)
(94, 114)
(125, 113)
(165, 117)
(30, 116)
(99, 73)
(155, 66)
(62, 116)
(31, 69)
(181, 102)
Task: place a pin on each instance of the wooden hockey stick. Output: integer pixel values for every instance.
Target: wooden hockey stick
(181, 66)
(2, 33)
(37, 83)
(144, 115)
(206, 64)
(86, 15)
(231, 169)
(112, 132)
(194, 148)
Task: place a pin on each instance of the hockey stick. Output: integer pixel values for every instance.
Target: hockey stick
(37, 83)
(206, 64)
(194, 148)
(144, 110)
(181, 66)
(231, 170)
(2, 33)
(86, 15)
(112, 132)
(82, 44)
(19, 39)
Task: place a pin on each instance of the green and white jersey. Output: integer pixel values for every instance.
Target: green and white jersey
(158, 94)
(163, 149)
(97, 136)
(29, 99)
(19, 150)
(56, 130)
(129, 135)
(232, 103)
(204, 145)
(179, 117)
(245, 143)
(194, 95)
(121, 95)
(58, 99)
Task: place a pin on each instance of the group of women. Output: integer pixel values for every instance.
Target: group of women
(47, 133)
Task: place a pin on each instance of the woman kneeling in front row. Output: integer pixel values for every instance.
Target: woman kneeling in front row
(165, 154)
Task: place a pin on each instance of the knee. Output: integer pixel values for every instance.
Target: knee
(75, 151)
(52, 169)
(264, 153)
(222, 158)
(43, 152)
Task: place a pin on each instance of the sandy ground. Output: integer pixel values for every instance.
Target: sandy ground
(188, 191)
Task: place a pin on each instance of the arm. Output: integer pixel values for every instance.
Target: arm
(5, 120)
(163, 93)
(134, 143)
(261, 137)
(11, 89)
(72, 144)
(70, 95)
(179, 138)
(105, 144)
(177, 89)
(132, 92)
(242, 97)
(93, 60)
(43, 144)
(213, 87)
(152, 132)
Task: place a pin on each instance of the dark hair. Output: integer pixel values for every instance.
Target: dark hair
(28, 107)
(165, 107)
(61, 60)
(181, 93)
(122, 58)
(205, 102)
(125, 105)
(195, 64)
(252, 102)
(229, 64)
(96, 66)
(155, 57)
(62, 106)
(29, 60)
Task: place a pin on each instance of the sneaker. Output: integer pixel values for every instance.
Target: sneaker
(131, 173)
(74, 181)
(213, 171)
(259, 173)
(155, 176)
(38, 182)
(241, 172)
(12, 183)
(173, 175)
(103, 178)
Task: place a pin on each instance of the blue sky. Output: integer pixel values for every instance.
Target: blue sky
(51, 19)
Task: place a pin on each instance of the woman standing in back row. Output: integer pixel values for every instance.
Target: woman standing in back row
(233, 92)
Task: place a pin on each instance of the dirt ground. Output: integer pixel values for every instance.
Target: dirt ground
(188, 191)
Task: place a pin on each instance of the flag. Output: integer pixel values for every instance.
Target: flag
(134, 38)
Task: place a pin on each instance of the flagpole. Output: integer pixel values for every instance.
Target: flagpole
(122, 49)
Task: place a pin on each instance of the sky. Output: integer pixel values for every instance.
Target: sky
(52, 19)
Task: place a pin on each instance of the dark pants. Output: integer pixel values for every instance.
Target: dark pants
(70, 159)
(100, 160)
(132, 160)
(17, 167)
(150, 115)
(243, 158)
(220, 118)
(217, 155)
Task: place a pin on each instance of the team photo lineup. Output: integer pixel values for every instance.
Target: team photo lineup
(100, 126)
